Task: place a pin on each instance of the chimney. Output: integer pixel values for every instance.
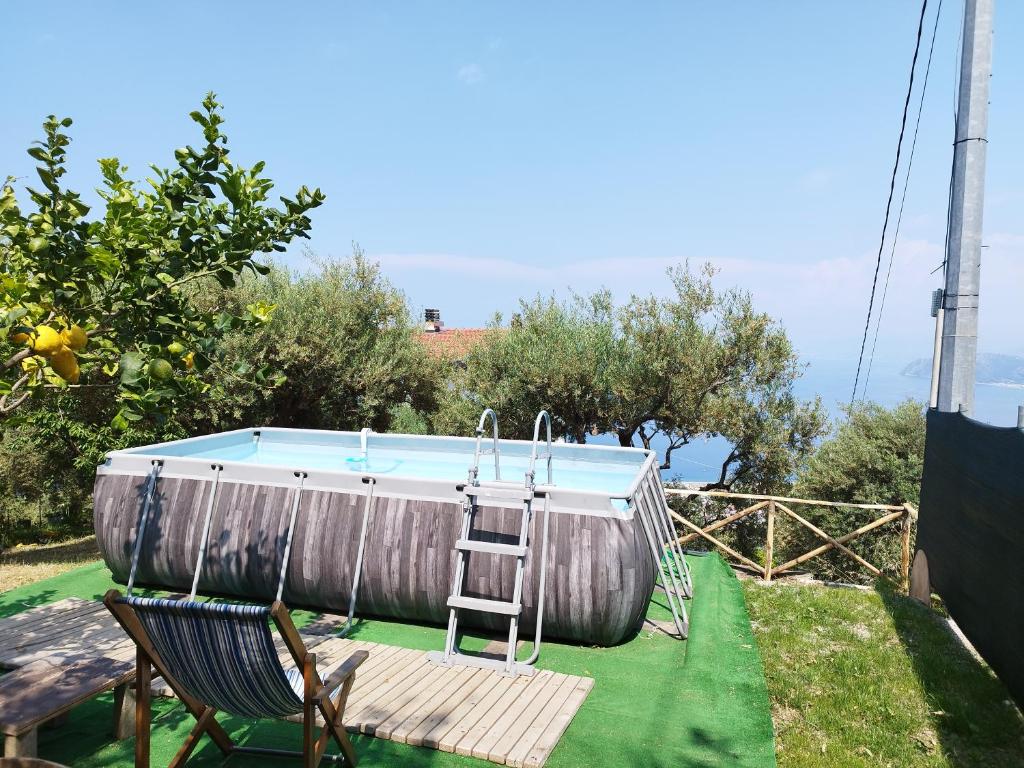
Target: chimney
(432, 321)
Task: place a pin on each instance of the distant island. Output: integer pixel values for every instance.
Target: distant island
(1002, 370)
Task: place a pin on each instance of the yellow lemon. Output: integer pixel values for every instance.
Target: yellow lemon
(74, 337)
(65, 365)
(45, 340)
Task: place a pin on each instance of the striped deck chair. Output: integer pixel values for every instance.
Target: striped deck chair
(221, 656)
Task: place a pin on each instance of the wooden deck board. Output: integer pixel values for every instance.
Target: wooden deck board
(408, 670)
(454, 709)
(447, 741)
(514, 717)
(62, 623)
(41, 616)
(516, 753)
(71, 630)
(441, 701)
(556, 727)
(483, 725)
(398, 694)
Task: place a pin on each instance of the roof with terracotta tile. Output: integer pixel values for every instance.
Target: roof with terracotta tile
(452, 343)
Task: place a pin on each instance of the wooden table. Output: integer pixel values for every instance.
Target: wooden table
(40, 691)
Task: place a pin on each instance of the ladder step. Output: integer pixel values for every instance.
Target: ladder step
(503, 492)
(486, 606)
(471, 545)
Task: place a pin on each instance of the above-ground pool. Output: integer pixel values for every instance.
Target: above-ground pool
(600, 558)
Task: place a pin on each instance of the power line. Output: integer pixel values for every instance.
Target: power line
(903, 200)
(888, 205)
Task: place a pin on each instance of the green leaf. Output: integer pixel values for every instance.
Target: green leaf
(131, 364)
(13, 315)
(48, 180)
(80, 208)
(119, 422)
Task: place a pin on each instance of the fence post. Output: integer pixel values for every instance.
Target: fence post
(905, 549)
(769, 543)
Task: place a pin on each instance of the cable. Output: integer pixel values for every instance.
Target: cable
(888, 205)
(903, 200)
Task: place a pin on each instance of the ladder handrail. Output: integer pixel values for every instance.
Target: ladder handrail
(364, 439)
(541, 586)
(531, 472)
(474, 471)
(530, 483)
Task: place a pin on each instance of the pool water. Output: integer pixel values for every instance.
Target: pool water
(581, 468)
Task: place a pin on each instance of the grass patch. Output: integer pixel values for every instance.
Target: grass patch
(870, 678)
(26, 565)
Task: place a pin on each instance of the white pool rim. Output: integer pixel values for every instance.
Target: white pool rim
(139, 462)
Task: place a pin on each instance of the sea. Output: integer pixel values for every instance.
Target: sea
(832, 381)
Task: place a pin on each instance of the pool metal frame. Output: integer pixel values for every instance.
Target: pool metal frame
(643, 503)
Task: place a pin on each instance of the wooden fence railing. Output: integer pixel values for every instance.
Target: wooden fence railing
(904, 515)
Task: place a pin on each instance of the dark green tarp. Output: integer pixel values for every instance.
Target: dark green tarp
(971, 529)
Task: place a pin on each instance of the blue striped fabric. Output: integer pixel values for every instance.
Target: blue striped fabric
(298, 683)
(222, 654)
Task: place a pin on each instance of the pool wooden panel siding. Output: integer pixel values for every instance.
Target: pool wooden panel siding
(600, 570)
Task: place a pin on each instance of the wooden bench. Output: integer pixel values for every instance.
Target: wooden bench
(41, 691)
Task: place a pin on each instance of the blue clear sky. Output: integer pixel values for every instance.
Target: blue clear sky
(484, 151)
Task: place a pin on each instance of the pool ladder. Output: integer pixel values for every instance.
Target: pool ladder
(478, 492)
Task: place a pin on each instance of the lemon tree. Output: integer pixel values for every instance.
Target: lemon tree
(108, 300)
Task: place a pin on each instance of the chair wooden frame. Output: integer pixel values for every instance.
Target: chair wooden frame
(316, 696)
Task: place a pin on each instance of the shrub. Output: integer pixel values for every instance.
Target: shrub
(48, 460)
(876, 455)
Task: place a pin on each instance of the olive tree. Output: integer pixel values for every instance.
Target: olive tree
(342, 342)
(705, 363)
(552, 356)
(694, 364)
(106, 301)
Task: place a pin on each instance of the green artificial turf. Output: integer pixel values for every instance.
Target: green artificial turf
(655, 702)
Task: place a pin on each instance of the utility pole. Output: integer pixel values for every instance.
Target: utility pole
(963, 249)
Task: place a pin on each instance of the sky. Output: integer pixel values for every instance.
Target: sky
(486, 151)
